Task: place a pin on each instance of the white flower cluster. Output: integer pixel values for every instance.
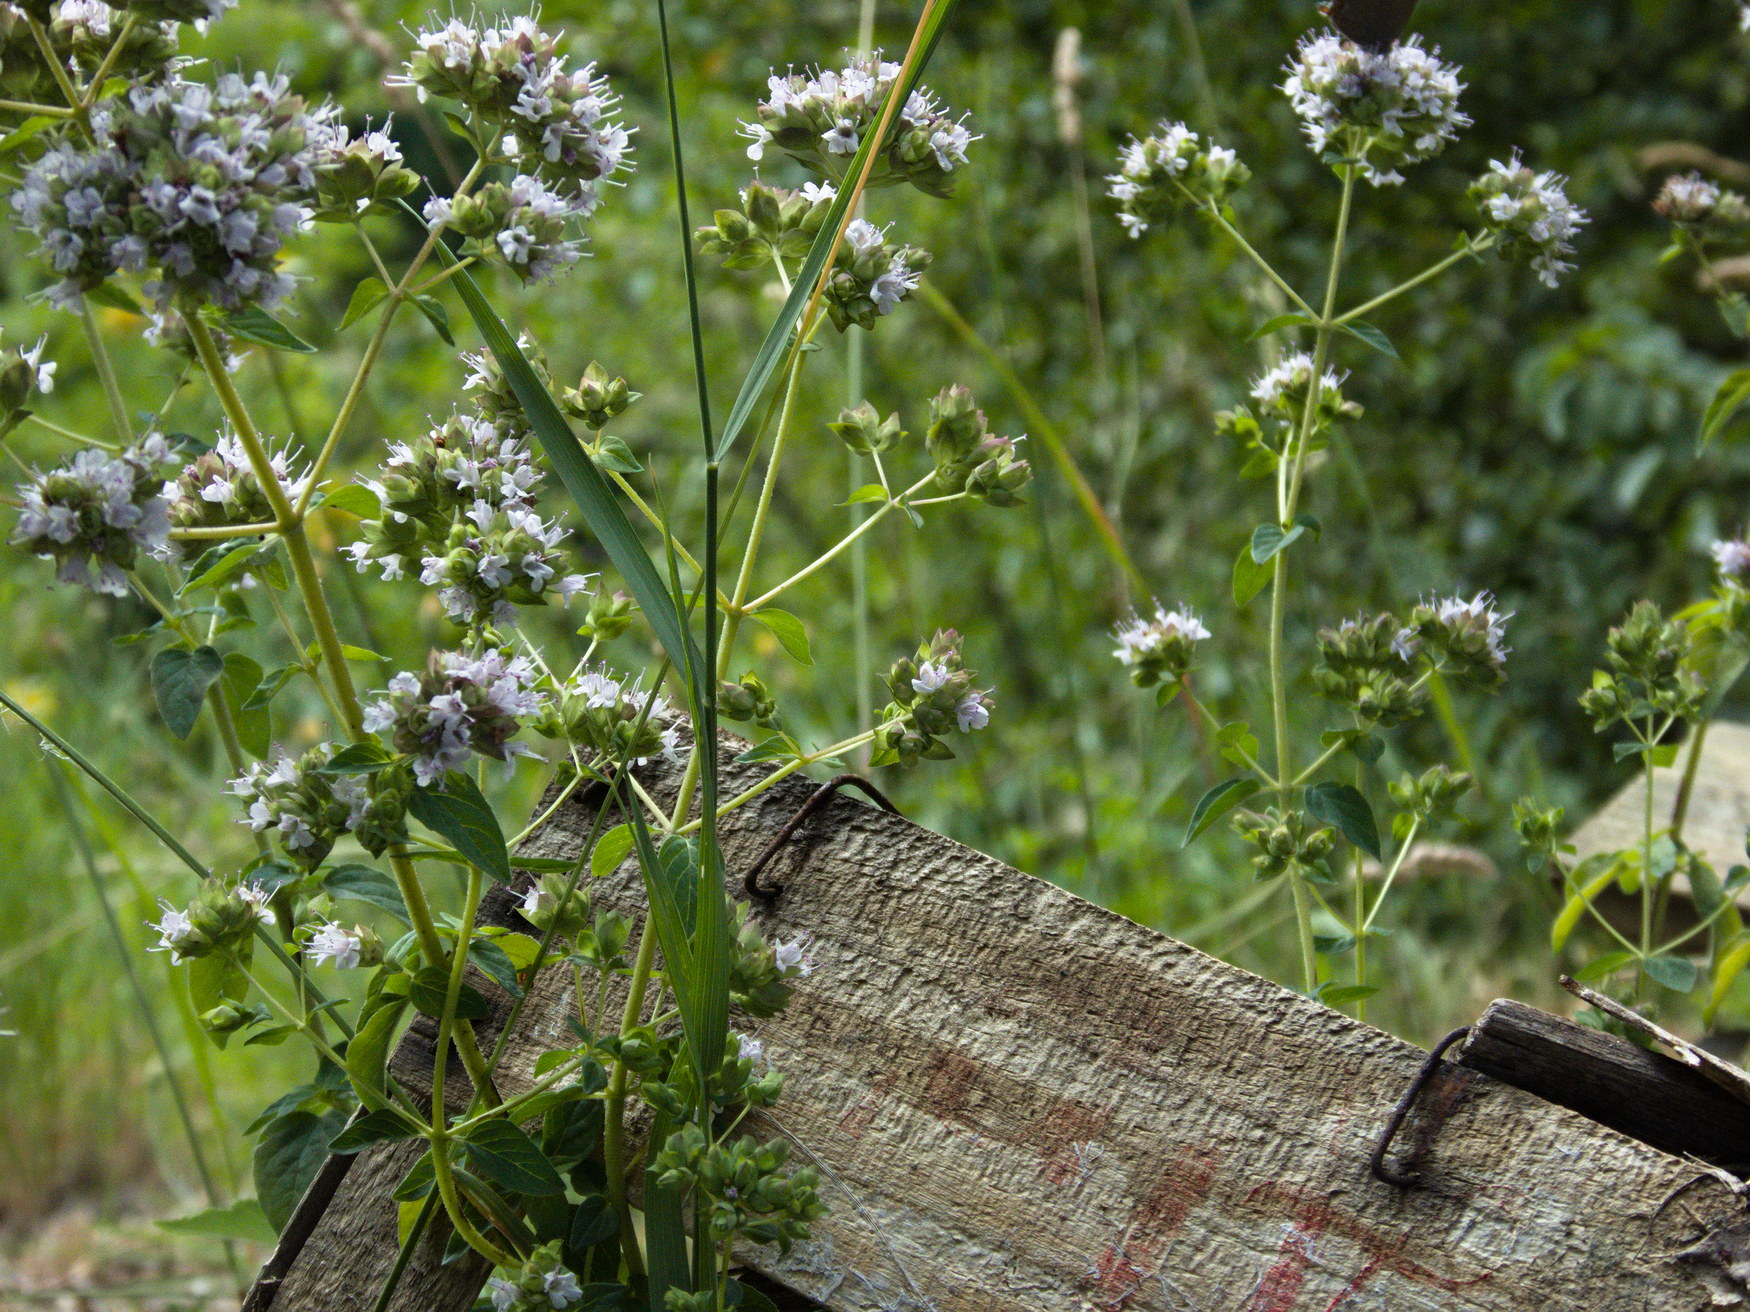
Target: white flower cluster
(1733, 558)
(607, 715)
(819, 119)
(496, 559)
(333, 942)
(1159, 650)
(200, 185)
(1283, 388)
(1469, 638)
(96, 514)
(1381, 110)
(872, 276)
(461, 704)
(358, 175)
(555, 119)
(1697, 202)
(1157, 174)
(307, 809)
(558, 1288)
(524, 222)
(1530, 215)
(220, 488)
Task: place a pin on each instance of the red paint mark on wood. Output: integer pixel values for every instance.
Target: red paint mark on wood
(1064, 1134)
(1157, 1216)
(1279, 1290)
(1382, 1251)
(948, 1084)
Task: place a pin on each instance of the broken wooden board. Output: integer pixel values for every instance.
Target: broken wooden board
(1719, 807)
(1020, 1102)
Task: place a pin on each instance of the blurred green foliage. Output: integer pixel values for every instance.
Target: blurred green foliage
(1540, 444)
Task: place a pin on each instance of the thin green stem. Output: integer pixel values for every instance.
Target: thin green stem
(1288, 499)
(34, 110)
(1264, 265)
(1472, 246)
(83, 438)
(1191, 700)
(56, 69)
(95, 88)
(1686, 786)
(112, 392)
(839, 548)
(614, 1108)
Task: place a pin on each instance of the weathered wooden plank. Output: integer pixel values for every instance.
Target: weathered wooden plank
(1719, 808)
(1646, 1095)
(1024, 1103)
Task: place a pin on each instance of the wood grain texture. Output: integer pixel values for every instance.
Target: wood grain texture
(1646, 1095)
(1021, 1102)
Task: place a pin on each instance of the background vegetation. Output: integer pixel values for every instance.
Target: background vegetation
(1540, 444)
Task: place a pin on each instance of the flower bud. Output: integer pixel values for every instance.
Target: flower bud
(862, 429)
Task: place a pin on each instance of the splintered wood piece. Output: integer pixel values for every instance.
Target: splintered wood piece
(1020, 1102)
(1718, 1070)
(1647, 1096)
(1719, 808)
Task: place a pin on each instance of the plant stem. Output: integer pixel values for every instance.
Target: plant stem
(1472, 246)
(614, 1108)
(1286, 504)
(112, 392)
(1686, 787)
(27, 107)
(838, 549)
(1264, 265)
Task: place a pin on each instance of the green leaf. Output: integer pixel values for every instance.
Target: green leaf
(418, 1181)
(1250, 578)
(504, 1155)
(1282, 322)
(868, 492)
(242, 1219)
(436, 316)
(105, 293)
(788, 630)
(368, 1052)
(495, 965)
(257, 325)
(1271, 540)
(180, 680)
(232, 563)
(367, 884)
(1730, 965)
(1604, 967)
(1678, 974)
(779, 747)
(1706, 889)
(593, 1222)
(775, 347)
(354, 499)
(1343, 806)
(288, 1155)
(254, 723)
(313, 653)
(431, 989)
(612, 454)
(1217, 802)
(1728, 400)
(1236, 741)
(461, 814)
(367, 296)
(1362, 331)
(358, 758)
(374, 1127)
(611, 849)
(1342, 994)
